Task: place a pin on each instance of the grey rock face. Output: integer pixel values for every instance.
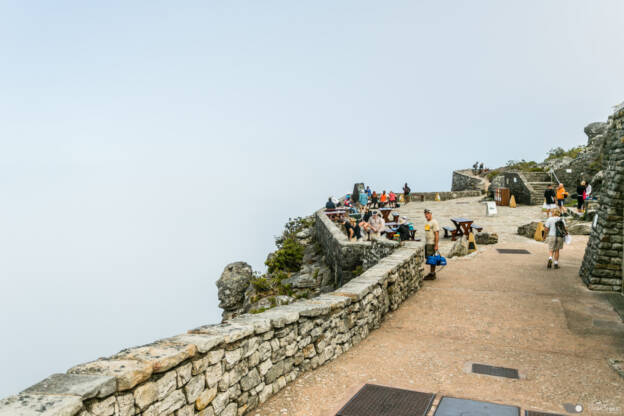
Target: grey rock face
(232, 286)
(459, 248)
(301, 281)
(528, 230)
(594, 129)
(580, 228)
(486, 238)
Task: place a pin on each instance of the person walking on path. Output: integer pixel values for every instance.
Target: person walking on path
(580, 197)
(561, 196)
(406, 193)
(555, 228)
(432, 238)
(549, 199)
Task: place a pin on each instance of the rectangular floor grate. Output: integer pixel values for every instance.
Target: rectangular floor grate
(373, 400)
(494, 371)
(450, 406)
(513, 251)
(532, 413)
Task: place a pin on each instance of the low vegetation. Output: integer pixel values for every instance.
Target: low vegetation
(559, 153)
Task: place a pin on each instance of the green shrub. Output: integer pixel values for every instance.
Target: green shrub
(559, 152)
(273, 301)
(288, 257)
(524, 166)
(261, 284)
(259, 310)
(358, 270)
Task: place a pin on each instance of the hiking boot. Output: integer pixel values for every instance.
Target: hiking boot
(430, 276)
(549, 263)
(556, 265)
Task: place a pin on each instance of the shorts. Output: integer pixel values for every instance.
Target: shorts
(429, 250)
(560, 202)
(554, 243)
(549, 206)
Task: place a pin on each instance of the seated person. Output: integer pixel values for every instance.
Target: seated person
(377, 224)
(330, 204)
(367, 214)
(403, 229)
(352, 229)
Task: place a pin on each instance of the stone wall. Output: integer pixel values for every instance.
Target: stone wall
(602, 263)
(444, 196)
(463, 180)
(341, 255)
(229, 368)
(519, 187)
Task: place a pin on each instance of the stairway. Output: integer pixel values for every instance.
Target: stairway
(539, 181)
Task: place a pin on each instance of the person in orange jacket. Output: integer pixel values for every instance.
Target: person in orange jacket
(561, 196)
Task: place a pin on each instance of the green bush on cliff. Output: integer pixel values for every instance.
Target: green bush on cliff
(523, 166)
(288, 257)
(559, 152)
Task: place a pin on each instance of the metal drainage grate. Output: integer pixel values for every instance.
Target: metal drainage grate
(513, 251)
(373, 400)
(494, 371)
(532, 413)
(450, 406)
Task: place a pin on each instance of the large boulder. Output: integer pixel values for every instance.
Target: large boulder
(528, 230)
(459, 248)
(232, 286)
(580, 228)
(594, 129)
(301, 281)
(486, 238)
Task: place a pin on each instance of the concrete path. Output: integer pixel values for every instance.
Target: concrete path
(490, 308)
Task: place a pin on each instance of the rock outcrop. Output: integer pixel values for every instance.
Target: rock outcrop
(232, 285)
(602, 263)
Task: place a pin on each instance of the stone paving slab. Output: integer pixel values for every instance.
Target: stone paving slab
(82, 385)
(39, 405)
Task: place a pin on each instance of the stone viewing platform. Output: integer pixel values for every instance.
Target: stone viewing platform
(328, 320)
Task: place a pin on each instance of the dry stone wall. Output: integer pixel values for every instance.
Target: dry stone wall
(228, 369)
(463, 180)
(602, 263)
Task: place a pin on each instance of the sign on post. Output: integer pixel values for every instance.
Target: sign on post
(490, 209)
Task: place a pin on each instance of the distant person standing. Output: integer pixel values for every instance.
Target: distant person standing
(368, 191)
(363, 199)
(480, 168)
(555, 228)
(330, 204)
(374, 200)
(561, 196)
(580, 196)
(549, 199)
(432, 238)
(383, 199)
(474, 168)
(393, 199)
(406, 193)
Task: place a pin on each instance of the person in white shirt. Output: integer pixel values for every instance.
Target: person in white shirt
(554, 239)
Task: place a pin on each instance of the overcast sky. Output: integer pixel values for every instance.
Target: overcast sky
(146, 144)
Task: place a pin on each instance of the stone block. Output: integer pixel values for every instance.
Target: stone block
(127, 373)
(161, 357)
(83, 385)
(40, 405)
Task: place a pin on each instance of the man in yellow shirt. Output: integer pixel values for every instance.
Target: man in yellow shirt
(432, 237)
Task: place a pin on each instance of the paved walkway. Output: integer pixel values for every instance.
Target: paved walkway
(497, 309)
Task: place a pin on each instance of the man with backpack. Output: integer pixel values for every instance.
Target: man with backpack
(555, 228)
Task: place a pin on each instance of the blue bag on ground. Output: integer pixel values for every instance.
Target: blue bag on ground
(436, 260)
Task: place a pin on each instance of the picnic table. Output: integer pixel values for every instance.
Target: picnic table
(462, 227)
(385, 213)
(335, 214)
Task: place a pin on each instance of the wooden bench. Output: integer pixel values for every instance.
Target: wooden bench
(448, 229)
(476, 227)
